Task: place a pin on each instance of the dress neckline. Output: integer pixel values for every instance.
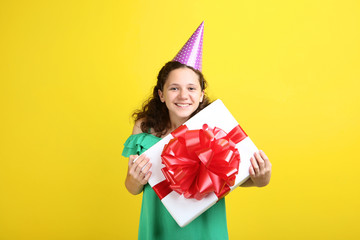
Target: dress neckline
(147, 134)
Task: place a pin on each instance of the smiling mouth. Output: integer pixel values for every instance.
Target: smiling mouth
(182, 104)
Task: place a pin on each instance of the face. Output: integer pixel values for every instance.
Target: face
(181, 93)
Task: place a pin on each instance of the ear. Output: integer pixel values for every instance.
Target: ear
(202, 96)
(161, 95)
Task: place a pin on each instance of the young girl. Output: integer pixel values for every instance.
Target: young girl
(178, 95)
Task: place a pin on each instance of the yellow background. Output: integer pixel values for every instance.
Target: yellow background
(72, 72)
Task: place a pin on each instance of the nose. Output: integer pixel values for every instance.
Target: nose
(183, 94)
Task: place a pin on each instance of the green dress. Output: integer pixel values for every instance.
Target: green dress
(155, 220)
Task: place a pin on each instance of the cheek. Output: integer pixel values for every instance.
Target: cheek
(196, 96)
(169, 96)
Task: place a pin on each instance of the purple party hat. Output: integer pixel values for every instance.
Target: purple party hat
(191, 52)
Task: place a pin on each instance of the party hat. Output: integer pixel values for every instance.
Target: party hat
(191, 52)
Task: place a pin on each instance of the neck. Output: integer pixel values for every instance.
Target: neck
(176, 122)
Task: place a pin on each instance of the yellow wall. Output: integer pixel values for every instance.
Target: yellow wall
(72, 72)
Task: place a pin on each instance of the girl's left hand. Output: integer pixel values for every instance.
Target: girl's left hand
(260, 169)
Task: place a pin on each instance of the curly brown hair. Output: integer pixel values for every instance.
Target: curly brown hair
(154, 113)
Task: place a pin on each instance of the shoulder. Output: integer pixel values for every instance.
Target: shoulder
(137, 126)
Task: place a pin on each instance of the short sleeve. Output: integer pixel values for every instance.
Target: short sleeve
(138, 143)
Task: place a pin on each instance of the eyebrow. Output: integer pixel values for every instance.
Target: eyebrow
(176, 84)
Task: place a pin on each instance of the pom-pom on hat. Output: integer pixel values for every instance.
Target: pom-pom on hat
(191, 52)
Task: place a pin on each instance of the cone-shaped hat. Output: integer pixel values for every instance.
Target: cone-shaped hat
(191, 52)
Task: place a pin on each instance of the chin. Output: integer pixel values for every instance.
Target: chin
(186, 114)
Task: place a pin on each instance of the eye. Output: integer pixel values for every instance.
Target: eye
(192, 88)
(173, 88)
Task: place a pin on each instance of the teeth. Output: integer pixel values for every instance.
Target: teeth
(182, 105)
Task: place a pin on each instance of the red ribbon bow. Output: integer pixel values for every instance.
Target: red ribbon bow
(198, 162)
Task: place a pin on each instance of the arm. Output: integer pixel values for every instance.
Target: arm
(260, 171)
(138, 172)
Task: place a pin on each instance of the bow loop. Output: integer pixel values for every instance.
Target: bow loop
(198, 162)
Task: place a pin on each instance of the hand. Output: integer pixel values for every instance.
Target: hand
(138, 171)
(260, 169)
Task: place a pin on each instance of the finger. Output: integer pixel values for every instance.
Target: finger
(140, 176)
(146, 168)
(266, 159)
(144, 171)
(263, 155)
(146, 178)
(254, 165)
(260, 161)
(139, 158)
(141, 164)
(136, 163)
(131, 159)
(251, 171)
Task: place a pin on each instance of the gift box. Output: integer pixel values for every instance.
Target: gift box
(221, 151)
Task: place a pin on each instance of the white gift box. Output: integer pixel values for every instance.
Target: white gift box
(185, 210)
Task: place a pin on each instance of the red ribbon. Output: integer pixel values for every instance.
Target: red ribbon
(198, 162)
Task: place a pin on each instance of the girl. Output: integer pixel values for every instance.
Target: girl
(178, 95)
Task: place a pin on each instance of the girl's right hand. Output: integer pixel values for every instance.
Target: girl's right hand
(137, 172)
